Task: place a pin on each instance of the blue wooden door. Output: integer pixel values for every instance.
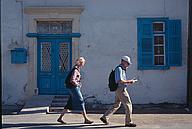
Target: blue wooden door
(54, 63)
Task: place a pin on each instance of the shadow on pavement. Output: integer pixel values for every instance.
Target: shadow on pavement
(164, 108)
(58, 126)
(28, 125)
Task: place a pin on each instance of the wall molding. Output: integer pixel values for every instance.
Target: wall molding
(59, 10)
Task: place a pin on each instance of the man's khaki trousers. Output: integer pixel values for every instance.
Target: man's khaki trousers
(121, 96)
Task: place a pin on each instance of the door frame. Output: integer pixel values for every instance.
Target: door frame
(34, 14)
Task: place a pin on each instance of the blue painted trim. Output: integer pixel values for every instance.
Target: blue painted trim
(19, 56)
(38, 64)
(144, 32)
(176, 25)
(154, 18)
(138, 45)
(75, 35)
(70, 53)
(153, 68)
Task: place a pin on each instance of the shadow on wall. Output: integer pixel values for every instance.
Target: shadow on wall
(161, 108)
(95, 108)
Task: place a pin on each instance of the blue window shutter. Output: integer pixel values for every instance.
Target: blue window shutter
(145, 46)
(174, 43)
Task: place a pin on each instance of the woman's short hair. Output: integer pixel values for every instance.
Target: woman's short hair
(80, 60)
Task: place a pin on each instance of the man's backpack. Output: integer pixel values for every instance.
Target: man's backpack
(68, 83)
(112, 84)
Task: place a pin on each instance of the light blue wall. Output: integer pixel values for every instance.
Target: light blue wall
(109, 30)
(14, 76)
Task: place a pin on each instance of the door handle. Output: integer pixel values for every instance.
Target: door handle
(60, 67)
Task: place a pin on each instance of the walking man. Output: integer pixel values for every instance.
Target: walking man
(121, 94)
(76, 101)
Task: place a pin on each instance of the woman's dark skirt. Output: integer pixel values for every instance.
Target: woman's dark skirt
(76, 101)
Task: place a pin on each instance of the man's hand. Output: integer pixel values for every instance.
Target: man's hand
(134, 80)
(128, 81)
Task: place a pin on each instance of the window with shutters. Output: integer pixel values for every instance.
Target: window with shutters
(159, 43)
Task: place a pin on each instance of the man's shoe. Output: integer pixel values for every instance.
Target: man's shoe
(104, 121)
(130, 125)
(68, 110)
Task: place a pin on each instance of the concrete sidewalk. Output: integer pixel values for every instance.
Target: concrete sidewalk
(151, 116)
(41, 120)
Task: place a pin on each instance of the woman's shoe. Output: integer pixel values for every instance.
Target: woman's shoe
(61, 121)
(88, 122)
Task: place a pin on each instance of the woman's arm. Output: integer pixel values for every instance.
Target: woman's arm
(74, 78)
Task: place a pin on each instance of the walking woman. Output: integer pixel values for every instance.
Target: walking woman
(76, 101)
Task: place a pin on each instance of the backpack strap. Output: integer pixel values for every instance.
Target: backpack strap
(120, 67)
(73, 69)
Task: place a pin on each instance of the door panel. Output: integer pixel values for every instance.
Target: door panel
(54, 63)
(64, 63)
(45, 67)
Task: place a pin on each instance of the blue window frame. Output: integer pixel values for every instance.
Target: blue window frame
(159, 43)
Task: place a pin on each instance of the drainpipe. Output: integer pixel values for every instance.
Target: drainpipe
(164, 8)
(22, 42)
(22, 15)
